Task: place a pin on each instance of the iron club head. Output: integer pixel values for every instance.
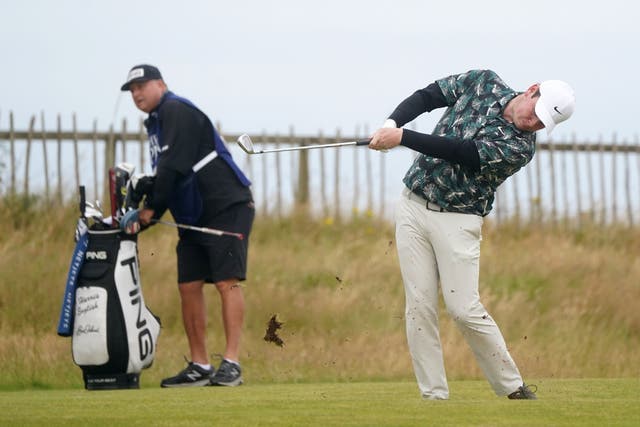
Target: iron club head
(244, 141)
(93, 212)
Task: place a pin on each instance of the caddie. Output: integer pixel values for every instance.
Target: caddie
(198, 181)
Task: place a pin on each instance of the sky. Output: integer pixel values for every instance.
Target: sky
(269, 66)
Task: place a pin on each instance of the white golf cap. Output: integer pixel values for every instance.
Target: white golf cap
(556, 104)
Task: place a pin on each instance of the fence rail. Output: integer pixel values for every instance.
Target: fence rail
(567, 182)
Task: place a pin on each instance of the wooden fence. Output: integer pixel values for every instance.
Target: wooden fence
(567, 182)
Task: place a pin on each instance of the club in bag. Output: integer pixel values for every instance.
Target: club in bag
(244, 141)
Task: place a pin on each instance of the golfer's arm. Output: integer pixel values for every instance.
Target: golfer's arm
(421, 101)
(462, 152)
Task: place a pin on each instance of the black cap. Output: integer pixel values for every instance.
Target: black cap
(141, 73)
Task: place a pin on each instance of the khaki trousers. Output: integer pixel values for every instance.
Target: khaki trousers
(444, 248)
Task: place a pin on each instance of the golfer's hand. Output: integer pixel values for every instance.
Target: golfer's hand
(385, 138)
(145, 216)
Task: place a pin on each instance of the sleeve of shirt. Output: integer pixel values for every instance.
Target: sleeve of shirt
(505, 156)
(421, 101)
(454, 150)
(179, 134)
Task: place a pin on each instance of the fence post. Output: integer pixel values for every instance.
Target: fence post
(554, 210)
(356, 175)
(637, 144)
(614, 186)
(141, 139)
(627, 182)
(576, 165)
(28, 156)
(302, 198)
(278, 171)
(109, 161)
(530, 197)
(383, 180)
(59, 158)
(12, 153)
(538, 206)
(336, 182)
(565, 188)
(516, 200)
(294, 162)
(368, 175)
(323, 186)
(590, 177)
(248, 167)
(76, 161)
(603, 192)
(94, 145)
(45, 158)
(123, 139)
(265, 187)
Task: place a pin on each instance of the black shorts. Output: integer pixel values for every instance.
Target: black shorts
(216, 258)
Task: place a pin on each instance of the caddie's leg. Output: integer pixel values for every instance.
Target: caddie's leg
(420, 277)
(457, 244)
(232, 316)
(194, 318)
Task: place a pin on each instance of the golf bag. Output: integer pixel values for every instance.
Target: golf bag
(114, 333)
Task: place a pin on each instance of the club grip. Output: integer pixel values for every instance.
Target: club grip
(83, 200)
(363, 142)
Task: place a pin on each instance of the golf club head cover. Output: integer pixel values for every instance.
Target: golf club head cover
(130, 222)
(140, 187)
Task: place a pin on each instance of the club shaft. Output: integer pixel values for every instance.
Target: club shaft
(247, 146)
(309, 147)
(200, 229)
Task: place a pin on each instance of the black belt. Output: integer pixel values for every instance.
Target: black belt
(429, 205)
(433, 207)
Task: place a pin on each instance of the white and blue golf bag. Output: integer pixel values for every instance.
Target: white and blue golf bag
(114, 333)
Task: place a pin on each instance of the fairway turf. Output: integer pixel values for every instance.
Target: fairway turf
(591, 402)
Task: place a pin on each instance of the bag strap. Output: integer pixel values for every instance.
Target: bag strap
(202, 163)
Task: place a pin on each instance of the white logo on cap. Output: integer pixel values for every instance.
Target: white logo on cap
(135, 73)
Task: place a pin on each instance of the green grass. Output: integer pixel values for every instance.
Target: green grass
(561, 298)
(588, 402)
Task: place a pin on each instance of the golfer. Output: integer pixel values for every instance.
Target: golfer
(487, 133)
(216, 196)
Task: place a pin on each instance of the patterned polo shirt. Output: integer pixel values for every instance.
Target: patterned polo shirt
(476, 101)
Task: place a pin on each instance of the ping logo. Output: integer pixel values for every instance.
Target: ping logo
(145, 338)
(96, 255)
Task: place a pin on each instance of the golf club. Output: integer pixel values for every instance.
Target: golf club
(213, 231)
(244, 141)
(95, 214)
